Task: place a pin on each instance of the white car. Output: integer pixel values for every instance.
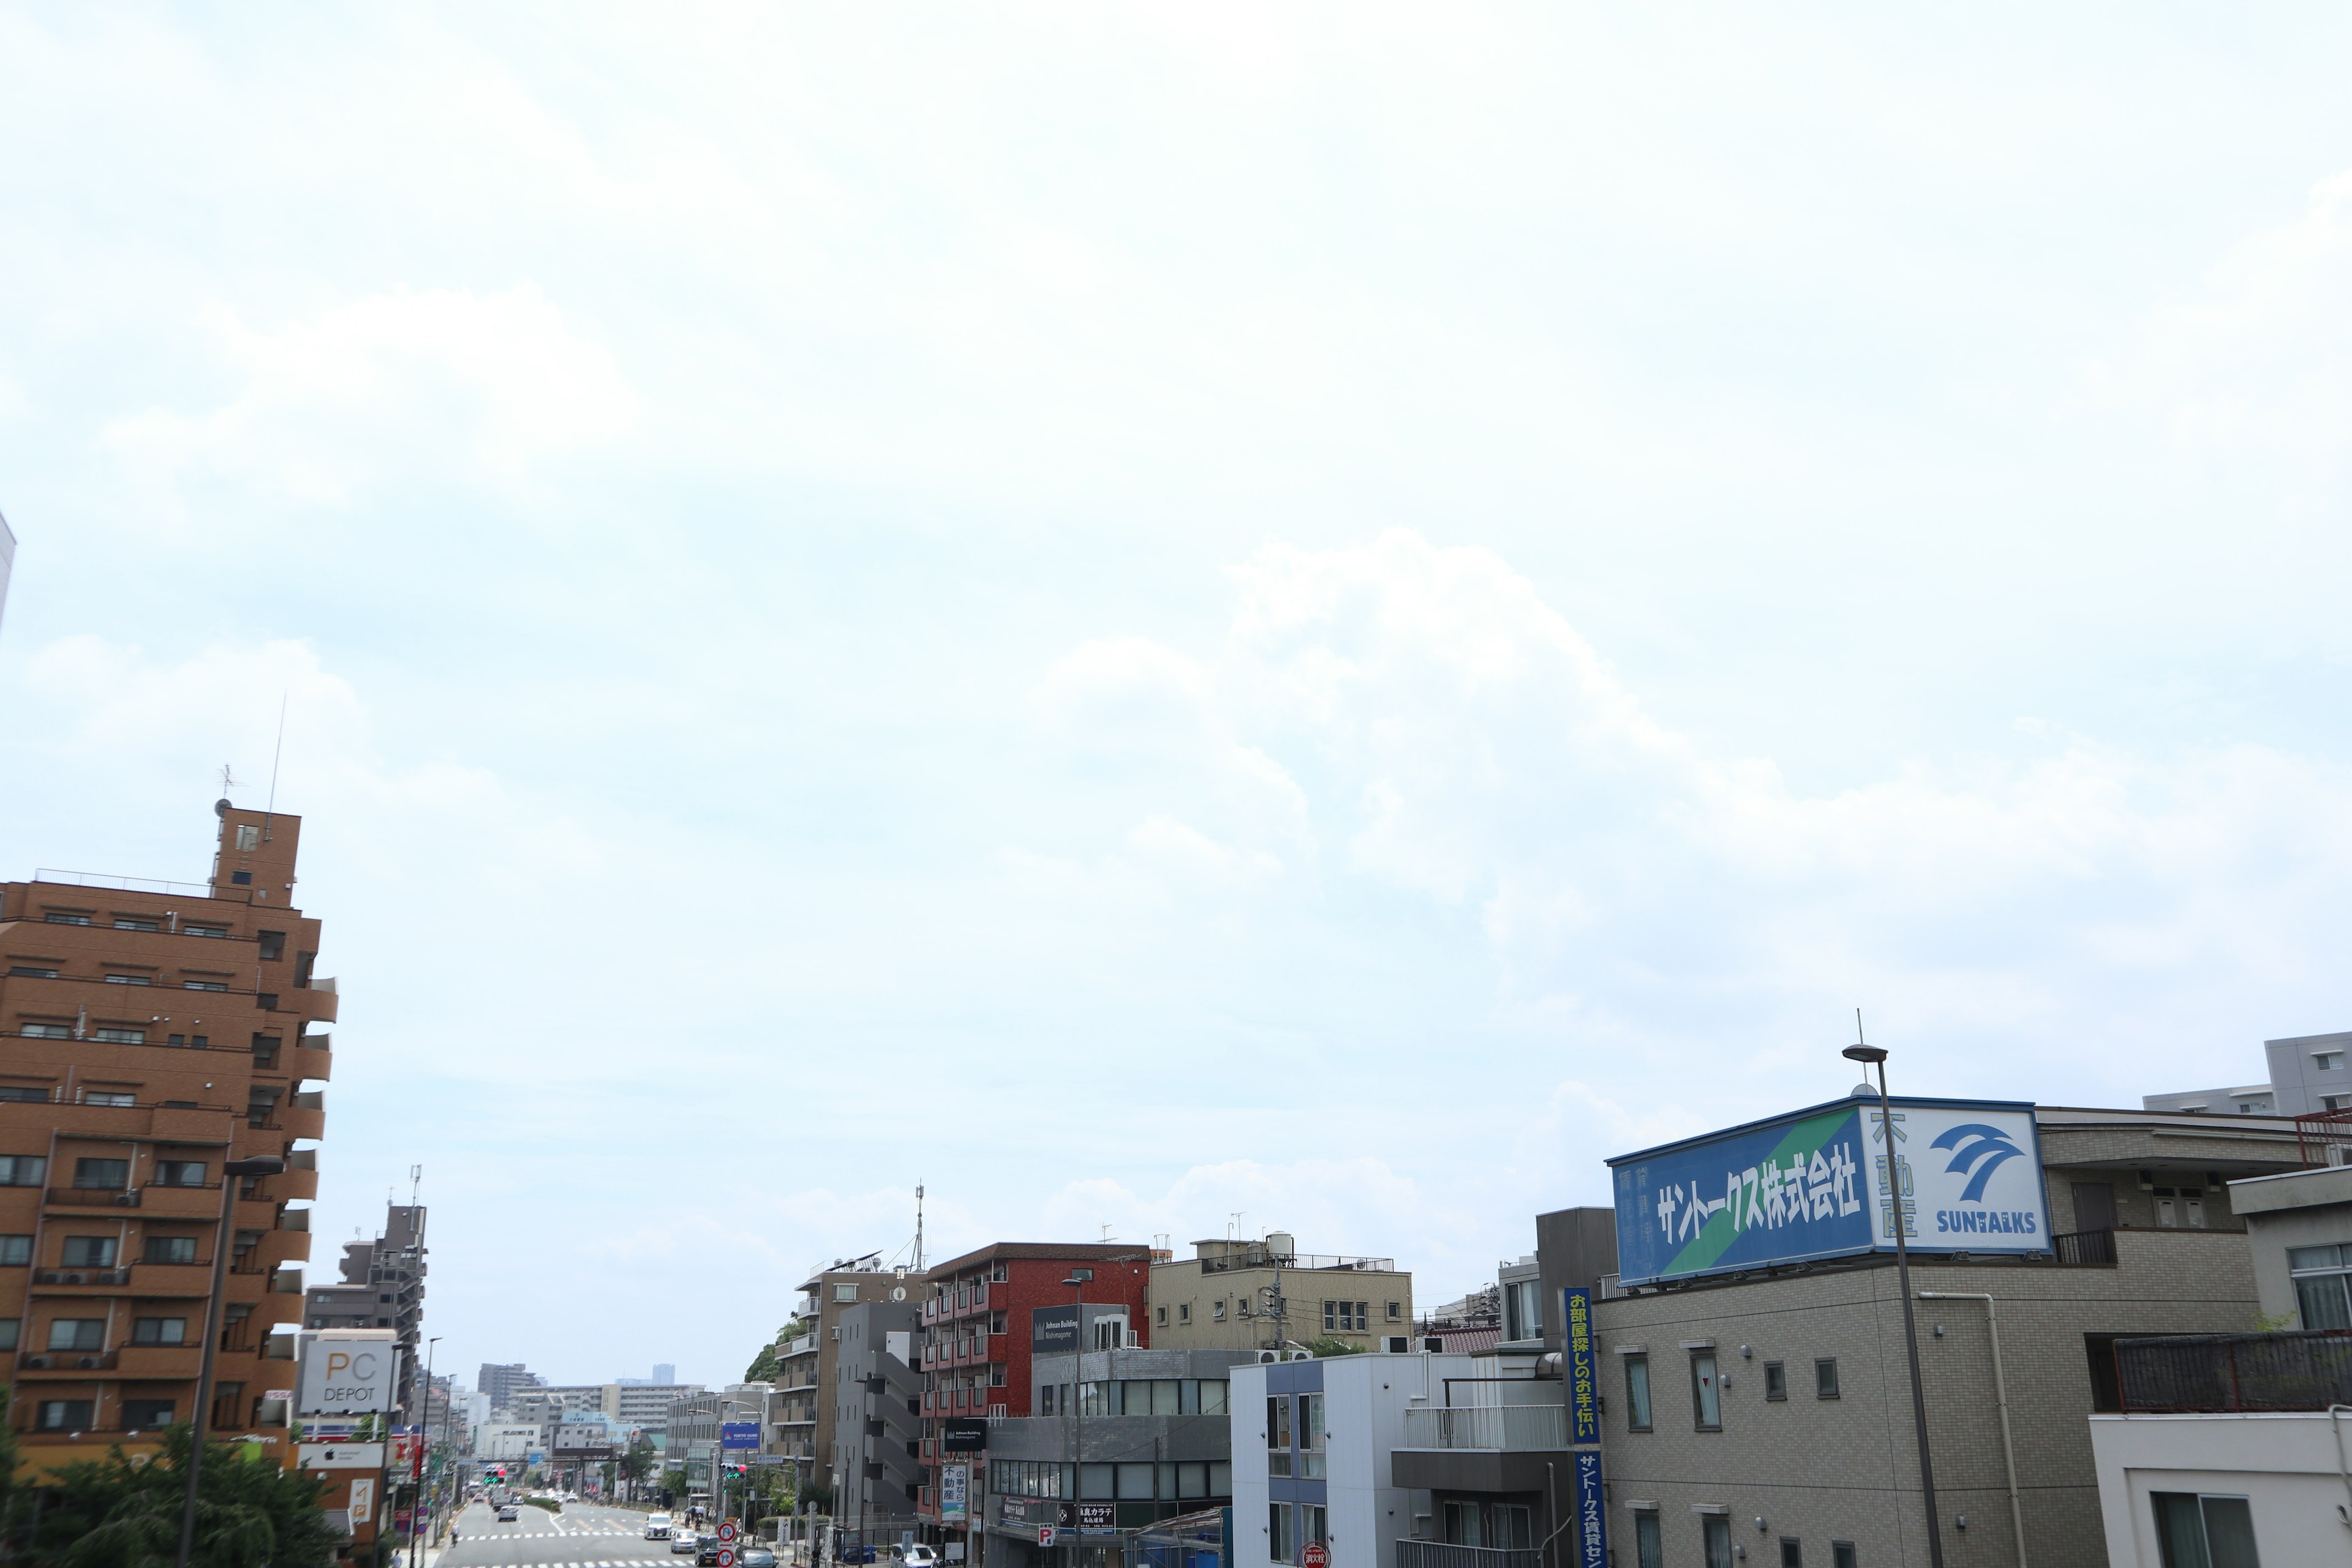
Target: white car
(918, 1557)
(657, 1527)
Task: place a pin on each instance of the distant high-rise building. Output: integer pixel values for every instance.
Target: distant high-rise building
(383, 1288)
(664, 1372)
(154, 1030)
(503, 1380)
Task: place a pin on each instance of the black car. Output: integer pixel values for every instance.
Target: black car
(707, 1555)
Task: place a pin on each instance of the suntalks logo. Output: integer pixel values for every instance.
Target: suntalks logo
(1979, 1150)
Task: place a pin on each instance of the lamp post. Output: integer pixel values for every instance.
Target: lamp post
(1077, 1282)
(232, 1171)
(1872, 1055)
(424, 1446)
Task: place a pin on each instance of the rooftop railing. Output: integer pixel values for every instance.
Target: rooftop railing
(1443, 1554)
(1231, 1261)
(2228, 1372)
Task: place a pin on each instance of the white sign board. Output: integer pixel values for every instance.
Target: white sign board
(342, 1456)
(349, 1371)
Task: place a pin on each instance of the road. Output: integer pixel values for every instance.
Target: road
(581, 1536)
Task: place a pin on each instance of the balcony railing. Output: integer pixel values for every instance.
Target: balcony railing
(2307, 1371)
(1296, 1260)
(94, 1197)
(1440, 1555)
(1513, 1428)
(2084, 1248)
(82, 1277)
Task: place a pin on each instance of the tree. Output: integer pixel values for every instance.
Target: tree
(1331, 1344)
(763, 1367)
(638, 1460)
(251, 1513)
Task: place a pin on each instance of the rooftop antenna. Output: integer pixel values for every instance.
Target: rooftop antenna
(918, 1226)
(271, 808)
(1106, 1230)
(415, 1180)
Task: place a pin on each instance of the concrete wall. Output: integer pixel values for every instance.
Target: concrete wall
(1846, 1469)
(2301, 1082)
(2285, 1466)
(1192, 1297)
(2300, 1208)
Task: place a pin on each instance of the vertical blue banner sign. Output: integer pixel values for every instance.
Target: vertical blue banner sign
(1591, 1531)
(1583, 1395)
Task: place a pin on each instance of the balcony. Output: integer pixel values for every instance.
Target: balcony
(72, 1281)
(2234, 1372)
(2084, 1248)
(177, 1202)
(1502, 1428)
(160, 1363)
(312, 1063)
(64, 1363)
(1439, 1554)
(92, 1198)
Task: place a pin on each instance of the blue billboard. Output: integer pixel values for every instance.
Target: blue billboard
(1583, 1381)
(1592, 1533)
(739, 1433)
(1824, 1183)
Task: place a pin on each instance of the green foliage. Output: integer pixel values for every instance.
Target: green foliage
(637, 1459)
(552, 1505)
(764, 1366)
(250, 1514)
(2274, 1322)
(1331, 1344)
(674, 1483)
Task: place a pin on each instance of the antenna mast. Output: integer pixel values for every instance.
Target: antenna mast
(271, 809)
(919, 1227)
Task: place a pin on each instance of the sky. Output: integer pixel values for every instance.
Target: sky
(1164, 619)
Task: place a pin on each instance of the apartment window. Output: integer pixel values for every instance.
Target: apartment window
(1278, 1438)
(1715, 1534)
(1396, 1310)
(996, 1273)
(2208, 1531)
(204, 984)
(144, 1414)
(159, 1330)
(89, 1252)
(170, 1250)
(29, 972)
(1281, 1534)
(1162, 1318)
(130, 979)
(101, 1174)
(1183, 1311)
(108, 1097)
(8, 1333)
(2322, 1285)
(1649, 1543)
(996, 1375)
(56, 919)
(1637, 1392)
(845, 1292)
(118, 1036)
(996, 1322)
(22, 1170)
(1523, 1309)
(1347, 1316)
(203, 931)
(1706, 1393)
(1310, 1437)
(15, 1251)
(25, 1092)
(64, 1414)
(2336, 1102)
(48, 1032)
(1844, 1554)
(179, 1172)
(1776, 1381)
(1792, 1552)
(2328, 1062)
(248, 837)
(1313, 1525)
(1825, 1378)
(1216, 1311)
(272, 945)
(77, 1334)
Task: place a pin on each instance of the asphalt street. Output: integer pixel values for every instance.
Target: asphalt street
(581, 1536)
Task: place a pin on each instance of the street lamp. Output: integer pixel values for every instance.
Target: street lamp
(1872, 1056)
(232, 1171)
(423, 1449)
(1077, 1281)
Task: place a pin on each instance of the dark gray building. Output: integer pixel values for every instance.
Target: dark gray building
(877, 1472)
(383, 1288)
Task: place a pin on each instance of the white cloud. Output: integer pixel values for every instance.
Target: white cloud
(441, 380)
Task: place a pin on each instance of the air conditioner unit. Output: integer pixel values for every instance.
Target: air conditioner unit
(1267, 1358)
(1432, 1342)
(37, 1362)
(73, 1280)
(1398, 1344)
(1302, 1355)
(90, 1363)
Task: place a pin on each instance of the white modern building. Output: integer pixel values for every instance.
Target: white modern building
(1350, 1451)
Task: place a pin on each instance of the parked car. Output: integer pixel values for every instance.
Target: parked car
(918, 1556)
(656, 1527)
(684, 1541)
(756, 1556)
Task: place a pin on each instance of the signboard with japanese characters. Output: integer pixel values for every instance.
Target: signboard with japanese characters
(1817, 1184)
(1583, 1384)
(954, 1483)
(1590, 1534)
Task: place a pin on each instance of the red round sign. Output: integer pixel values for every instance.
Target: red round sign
(727, 1531)
(726, 1557)
(1315, 1554)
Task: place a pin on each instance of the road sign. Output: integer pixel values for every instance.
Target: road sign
(1315, 1554)
(1044, 1535)
(726, 1533)
(726, 1557)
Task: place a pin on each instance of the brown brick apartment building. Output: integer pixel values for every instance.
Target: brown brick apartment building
(149, 1031)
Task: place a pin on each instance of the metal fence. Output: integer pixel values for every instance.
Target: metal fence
(2324, 1138)
(2306, 1371)
(1440, 1555)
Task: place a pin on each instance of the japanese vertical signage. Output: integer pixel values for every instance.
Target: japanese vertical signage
(1824, 1183)
(1583, 1394)
(954, 1481)
(1591, 1532)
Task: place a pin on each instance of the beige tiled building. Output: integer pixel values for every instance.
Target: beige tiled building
(1251, 1295)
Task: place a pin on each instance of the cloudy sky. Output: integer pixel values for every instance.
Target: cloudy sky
(1172, 617)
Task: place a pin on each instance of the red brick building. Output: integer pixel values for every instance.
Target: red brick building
(980, 1328)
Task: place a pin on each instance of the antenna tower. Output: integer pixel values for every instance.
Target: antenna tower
(919, 1227)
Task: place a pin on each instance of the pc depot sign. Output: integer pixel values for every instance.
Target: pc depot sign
(349, 1371)
(1818, 1184)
